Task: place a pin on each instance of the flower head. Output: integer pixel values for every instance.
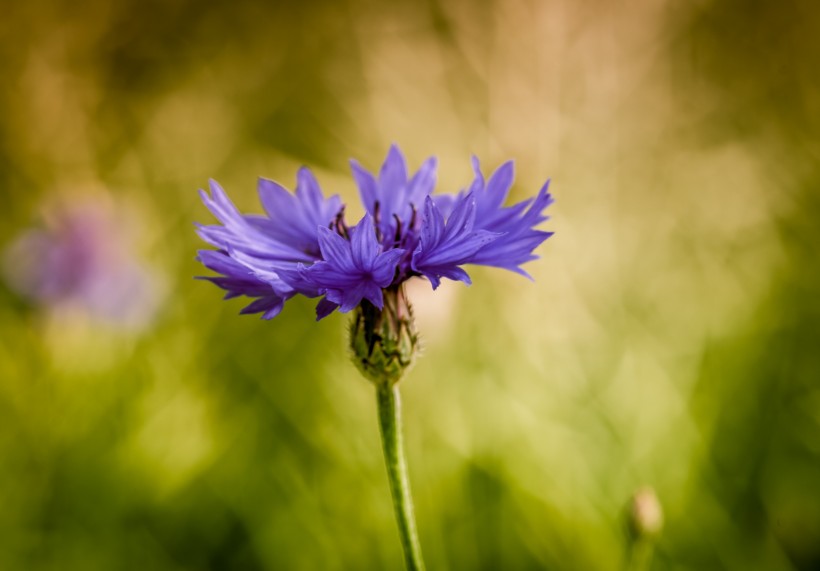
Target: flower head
(644, 514)
(304, 245)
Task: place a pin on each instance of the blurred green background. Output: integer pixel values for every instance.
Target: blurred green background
(671, 337)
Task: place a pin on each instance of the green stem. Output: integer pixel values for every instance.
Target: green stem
(639, 554)
(390, 424)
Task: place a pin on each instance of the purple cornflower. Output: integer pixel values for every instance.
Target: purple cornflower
(81, 258)
(304, 246)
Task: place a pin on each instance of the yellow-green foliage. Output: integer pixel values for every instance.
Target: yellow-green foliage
(669, 339)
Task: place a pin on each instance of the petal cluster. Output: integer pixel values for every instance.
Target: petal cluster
(353, 269)
(303, 245)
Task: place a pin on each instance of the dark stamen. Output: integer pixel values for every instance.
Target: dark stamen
(413, 217)
(377, 215)
(341, 228)
(397, 238)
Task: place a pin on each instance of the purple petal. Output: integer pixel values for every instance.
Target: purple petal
(434, 274)
(363, 243)
(270, 307)
(368, 188)
(432, 228)
(336, 249)
(384, 268)
(498, 187)
(393, 174)
(325, 308)
(373, 294)
(422, 183)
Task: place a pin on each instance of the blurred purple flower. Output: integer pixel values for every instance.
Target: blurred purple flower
(80, 258)
(303, 245)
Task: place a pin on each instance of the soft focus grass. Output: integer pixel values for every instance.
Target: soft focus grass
(669, 339)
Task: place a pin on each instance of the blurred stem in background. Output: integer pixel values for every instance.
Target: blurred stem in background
(644, 520)
(638, 555)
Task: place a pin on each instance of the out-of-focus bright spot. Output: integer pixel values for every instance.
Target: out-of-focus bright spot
(191, 132)
(434, 309)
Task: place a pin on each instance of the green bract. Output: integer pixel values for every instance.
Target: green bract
(384, 342)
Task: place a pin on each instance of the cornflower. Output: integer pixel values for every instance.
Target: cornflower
(303, 245)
